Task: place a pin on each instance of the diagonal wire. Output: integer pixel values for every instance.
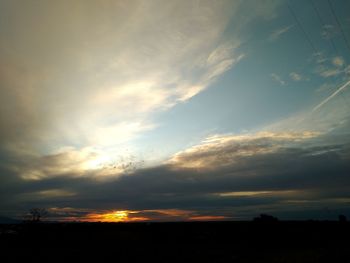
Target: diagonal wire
(302, 28)
(323, 24)
(338, 24)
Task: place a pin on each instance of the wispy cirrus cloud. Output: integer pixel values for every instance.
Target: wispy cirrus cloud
(276, 34)
(329, 72)
(331, 67)
(277, 78)
(101, 89)
(338, 61)
(297, 76)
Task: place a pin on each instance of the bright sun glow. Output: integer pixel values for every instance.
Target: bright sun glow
(116, 216)
(121, 215)
(97, 163)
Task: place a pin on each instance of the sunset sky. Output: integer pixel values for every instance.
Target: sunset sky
(175, 110)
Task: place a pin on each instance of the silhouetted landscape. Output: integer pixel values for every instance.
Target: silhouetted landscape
(257, 241)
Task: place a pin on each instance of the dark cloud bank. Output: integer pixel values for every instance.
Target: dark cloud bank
(292, 182)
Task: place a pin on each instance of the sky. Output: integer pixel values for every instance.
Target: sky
(175, 110)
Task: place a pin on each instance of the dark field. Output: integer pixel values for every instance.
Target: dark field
(177, 242)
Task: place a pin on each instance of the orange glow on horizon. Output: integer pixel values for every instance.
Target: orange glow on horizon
(207, 218)
(115, 216)
(156, 215)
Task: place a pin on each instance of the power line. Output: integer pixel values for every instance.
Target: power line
(302, 28)
(323, 24)
(343, 35)
(338, 24)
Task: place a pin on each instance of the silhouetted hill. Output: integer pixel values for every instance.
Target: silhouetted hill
(8, 220)
(276, 241)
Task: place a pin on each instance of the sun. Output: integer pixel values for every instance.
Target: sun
(98, 162)
(116, 216)
(121, 215)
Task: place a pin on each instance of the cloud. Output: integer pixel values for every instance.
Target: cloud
(208, 218)
(238, 177)
(51, 194)
(347, 70)
(277, 78)
(237, 185)
(93, 80)
(295, 76)
(162, 215)
(328, 115)
(338, 61)
(221, 150)
(85, 162)
(277, 33)
(335, 68)
(330, 72)
(95, 76)
(79, 83)
(329, 32)
(259, 193)
(304, 159)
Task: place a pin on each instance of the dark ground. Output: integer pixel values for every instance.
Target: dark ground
(177, 242)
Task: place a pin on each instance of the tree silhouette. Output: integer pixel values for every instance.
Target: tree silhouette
(36, 214)
(342, 218)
